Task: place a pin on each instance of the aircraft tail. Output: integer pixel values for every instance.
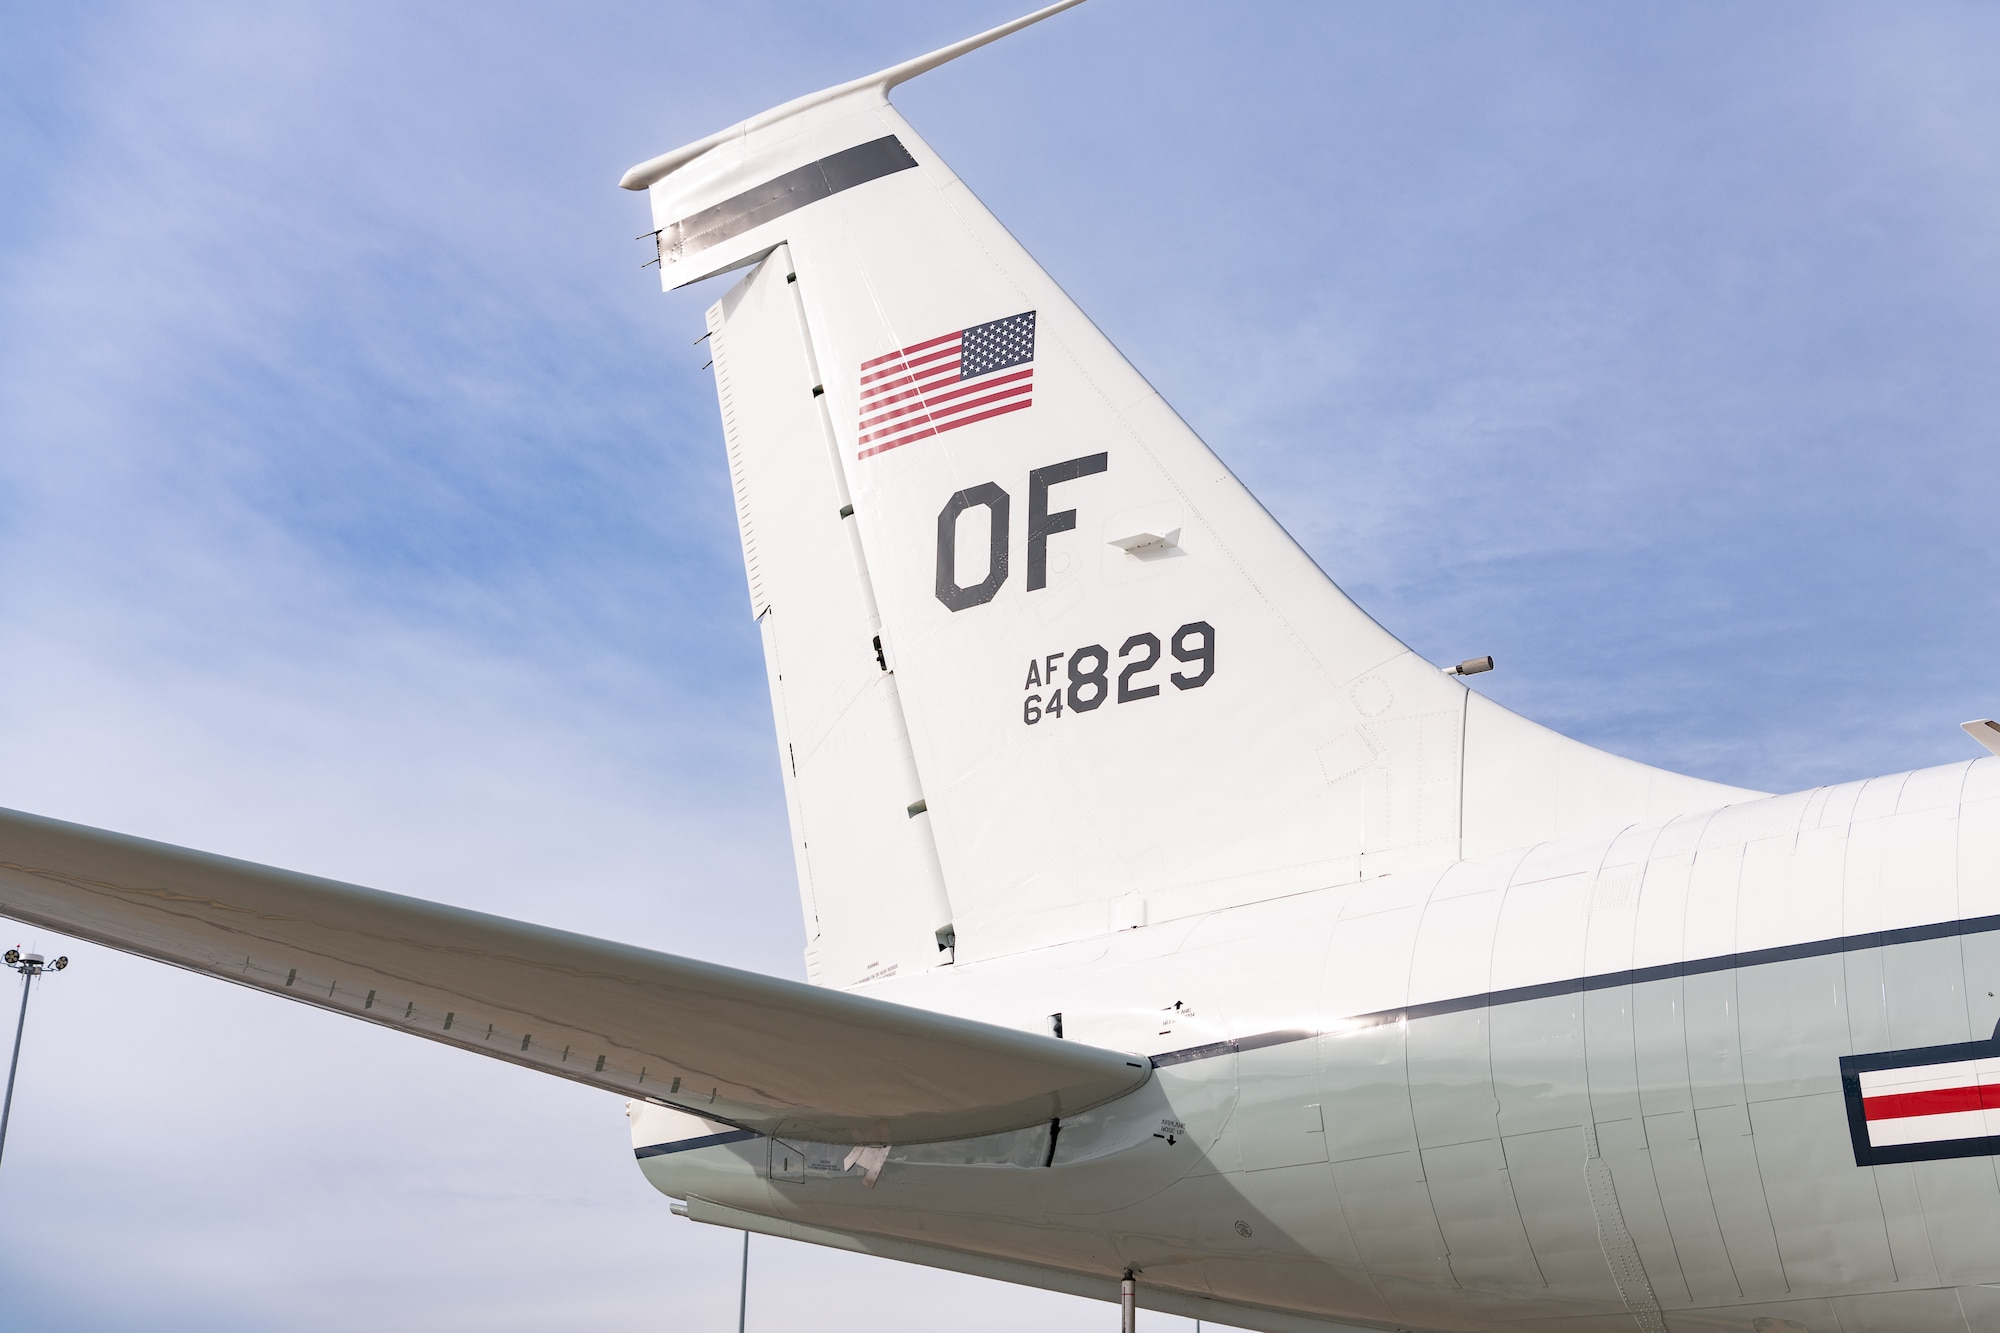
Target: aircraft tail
(1042, 667)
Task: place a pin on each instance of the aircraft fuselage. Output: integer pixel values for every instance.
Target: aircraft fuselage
(1601, 1079)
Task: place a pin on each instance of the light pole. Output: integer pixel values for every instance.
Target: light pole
(30, 966)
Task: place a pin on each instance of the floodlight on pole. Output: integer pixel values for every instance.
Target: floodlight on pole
(30, 966)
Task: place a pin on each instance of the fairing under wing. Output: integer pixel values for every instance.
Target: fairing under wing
(767, 1054)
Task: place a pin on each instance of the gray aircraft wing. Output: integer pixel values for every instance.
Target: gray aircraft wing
(767, 1054)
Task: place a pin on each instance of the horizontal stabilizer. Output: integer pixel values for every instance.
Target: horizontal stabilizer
(769, 1055)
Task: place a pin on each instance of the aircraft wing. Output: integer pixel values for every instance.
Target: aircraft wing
(770, 1055)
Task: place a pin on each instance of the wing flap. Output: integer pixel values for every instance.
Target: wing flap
(767, 1054)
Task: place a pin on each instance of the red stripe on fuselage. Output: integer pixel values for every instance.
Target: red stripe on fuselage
(1932, 1101)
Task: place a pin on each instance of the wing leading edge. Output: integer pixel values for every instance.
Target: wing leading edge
(770, 1055)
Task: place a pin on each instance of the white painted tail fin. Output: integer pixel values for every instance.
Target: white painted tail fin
(1110, 689)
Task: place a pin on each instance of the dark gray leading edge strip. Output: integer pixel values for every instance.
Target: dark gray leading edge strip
(689, 1145)
(1603, 981)
(784, 194)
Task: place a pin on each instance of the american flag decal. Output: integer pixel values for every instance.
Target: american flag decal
(946, 382)
(1917, 1105)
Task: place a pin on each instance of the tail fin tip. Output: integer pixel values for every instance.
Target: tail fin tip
(654, 170)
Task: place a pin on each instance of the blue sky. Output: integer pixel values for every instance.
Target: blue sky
(363, 509)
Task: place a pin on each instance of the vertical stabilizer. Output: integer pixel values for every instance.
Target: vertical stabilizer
(1112, 689)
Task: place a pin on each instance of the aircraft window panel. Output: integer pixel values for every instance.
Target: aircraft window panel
(1547, 1177)
(1538, 1069)
(1455, 947)
(1479, 1217)
(1541, 932)
(1611, 1061)
(1729, 1160)
(1402, 1237)
(1828, 1216)
(1364, 1080)
(1659, 1044)
(1925, 984)
(1451, 1079)
(1270, 1123)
